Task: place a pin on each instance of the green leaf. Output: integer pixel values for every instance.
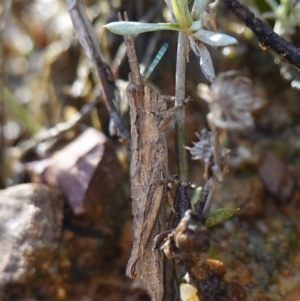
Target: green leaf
(199, 7)
(127, 28)
(214, 39)
(196, 25)
(21, 112)
(206, 63)
(196, 196)
(219, 216)
(182, 13)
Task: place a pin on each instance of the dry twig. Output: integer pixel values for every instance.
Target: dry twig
(266, 36)
(89, 42)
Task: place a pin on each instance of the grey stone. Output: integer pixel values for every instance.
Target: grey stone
(30, 226)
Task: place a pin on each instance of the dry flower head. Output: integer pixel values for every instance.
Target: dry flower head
(204, 150)
(230, 101)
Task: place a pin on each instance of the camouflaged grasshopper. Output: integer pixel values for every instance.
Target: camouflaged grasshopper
(148, 118)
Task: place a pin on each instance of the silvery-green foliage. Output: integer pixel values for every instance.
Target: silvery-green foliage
(182, 14)
(128, 28)
(190, 23)
(206, 63)
(285, 14)
(198, 8)
(213, 38)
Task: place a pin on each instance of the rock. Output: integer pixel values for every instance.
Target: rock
(30, 226)
(277, 179)
(292, 295)
(250, 197)
(246, 193)
(86, 170)
(236, 292)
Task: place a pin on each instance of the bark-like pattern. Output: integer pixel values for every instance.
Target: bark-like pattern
(148, 165)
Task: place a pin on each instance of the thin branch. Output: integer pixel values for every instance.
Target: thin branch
(121, 52)
(132, 55)
(266, 36)
(180, 114)
(5, 8)
(89, 42)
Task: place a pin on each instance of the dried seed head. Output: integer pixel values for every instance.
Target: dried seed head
(203, 149)
(230, 101)
(188, 239)
(191, 236)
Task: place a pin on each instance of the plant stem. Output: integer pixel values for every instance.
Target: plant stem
(5, 8)
(180, 114)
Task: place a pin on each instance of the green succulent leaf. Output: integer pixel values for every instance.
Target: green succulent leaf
(169, 5)
(127, 28)
(198, 8)
(197, 194)
(196, 25)
(182, 13)
(214, 39)
(206, 63)
(219, 216)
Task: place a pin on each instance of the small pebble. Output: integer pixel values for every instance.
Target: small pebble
(61, 293)
(217, 267)
(188, 292)
(276, 177)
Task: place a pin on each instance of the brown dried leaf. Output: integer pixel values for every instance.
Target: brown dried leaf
(86, 170)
